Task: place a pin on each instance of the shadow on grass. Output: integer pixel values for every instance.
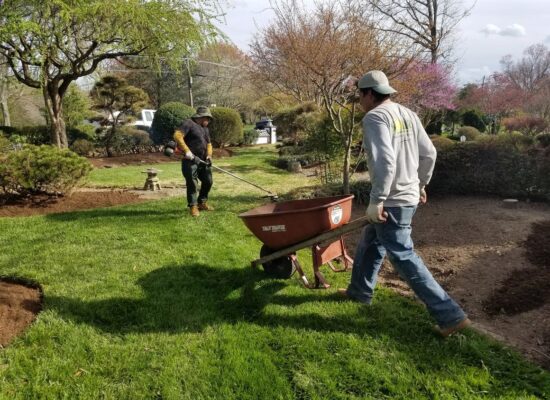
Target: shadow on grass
(190, 298)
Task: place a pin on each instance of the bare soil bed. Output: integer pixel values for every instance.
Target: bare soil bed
(493, 260)
(20, 302)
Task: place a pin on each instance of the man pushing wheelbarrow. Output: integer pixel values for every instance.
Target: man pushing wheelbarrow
(401, 159)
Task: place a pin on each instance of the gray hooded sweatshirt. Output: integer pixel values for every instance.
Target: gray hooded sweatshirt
(400, 155)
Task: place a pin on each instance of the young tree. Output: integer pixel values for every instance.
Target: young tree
(4, 109)
(118, 99)
(312, 54)
(427, 24)
(49, 44)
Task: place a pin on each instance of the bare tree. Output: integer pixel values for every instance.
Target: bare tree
(532, 70)
(312, 54)
(426, 24)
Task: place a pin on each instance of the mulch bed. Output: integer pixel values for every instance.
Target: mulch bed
(20, 302)
(11, 206)
(527, 289)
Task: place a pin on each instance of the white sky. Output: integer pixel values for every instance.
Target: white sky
(494, 29)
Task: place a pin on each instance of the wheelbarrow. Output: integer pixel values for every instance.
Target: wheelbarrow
(286, 227)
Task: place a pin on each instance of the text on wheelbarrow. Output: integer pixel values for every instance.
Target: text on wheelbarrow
(274, 228)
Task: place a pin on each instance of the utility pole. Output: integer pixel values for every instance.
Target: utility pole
(189, 82)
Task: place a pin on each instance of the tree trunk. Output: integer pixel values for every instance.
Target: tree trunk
(54, 107)
(347, 158)
(4, 95)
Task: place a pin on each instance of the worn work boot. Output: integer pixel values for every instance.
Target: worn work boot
(205, 207)
(194, 211)
(453, 329)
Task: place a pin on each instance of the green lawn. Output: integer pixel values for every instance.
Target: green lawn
(143, 302)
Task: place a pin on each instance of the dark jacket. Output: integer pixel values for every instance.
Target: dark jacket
(196, 138)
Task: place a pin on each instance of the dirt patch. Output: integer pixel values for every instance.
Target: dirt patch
(146, 158)
(20, 302)
(483, 254)
(81, 200)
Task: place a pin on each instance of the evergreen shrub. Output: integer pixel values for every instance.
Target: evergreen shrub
(226, 127)
(42, 169)
(167, 118)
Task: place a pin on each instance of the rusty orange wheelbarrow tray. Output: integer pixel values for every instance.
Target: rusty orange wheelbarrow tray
(286, 227)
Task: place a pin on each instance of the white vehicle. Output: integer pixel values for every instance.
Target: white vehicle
(146, 118)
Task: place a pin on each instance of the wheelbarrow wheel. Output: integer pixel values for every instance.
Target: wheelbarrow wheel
(281, 268)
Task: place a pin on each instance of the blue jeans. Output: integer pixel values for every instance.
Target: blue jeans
(394, 239)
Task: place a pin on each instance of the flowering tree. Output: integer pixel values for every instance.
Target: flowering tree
(497, 97)
(427, 89)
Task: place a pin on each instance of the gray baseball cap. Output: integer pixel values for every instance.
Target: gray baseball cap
(377, 81)
(202, 111)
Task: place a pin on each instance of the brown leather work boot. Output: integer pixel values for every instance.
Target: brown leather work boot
(453, 329)
(194, 210)
(205, 207)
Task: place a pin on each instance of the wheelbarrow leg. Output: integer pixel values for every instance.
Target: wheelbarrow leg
(300, 271)
(344, 258)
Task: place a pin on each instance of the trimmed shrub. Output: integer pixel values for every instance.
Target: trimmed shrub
(82, 147)
(250, 136)
(82, 131)
(283, 162)
(292, 123)
(226, 127)
(129, 140)
(474, 119)
(167, 118)
(469, 132)
(42, 169)
(514, 139)
(543, 139)
(441, 142)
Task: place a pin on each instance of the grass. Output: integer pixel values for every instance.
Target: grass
(143, 302)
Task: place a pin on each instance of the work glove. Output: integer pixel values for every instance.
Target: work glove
(376, 213)
(208, 161)
(190, 156)
(169, 148)
(423, 195)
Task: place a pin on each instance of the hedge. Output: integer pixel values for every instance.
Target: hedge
(494, 168)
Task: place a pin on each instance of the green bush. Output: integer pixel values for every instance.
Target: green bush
(441, 142)
(82, 131)
(491, 167)
(167, 118)
(473, 118)
(304, 159)
(469, 132)
(226, 127)
(130, 140)
(292, 123)
(42, 169)
(543, 139)
(36, 135)
(514, 139)
(250, 136)
(82, 147)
